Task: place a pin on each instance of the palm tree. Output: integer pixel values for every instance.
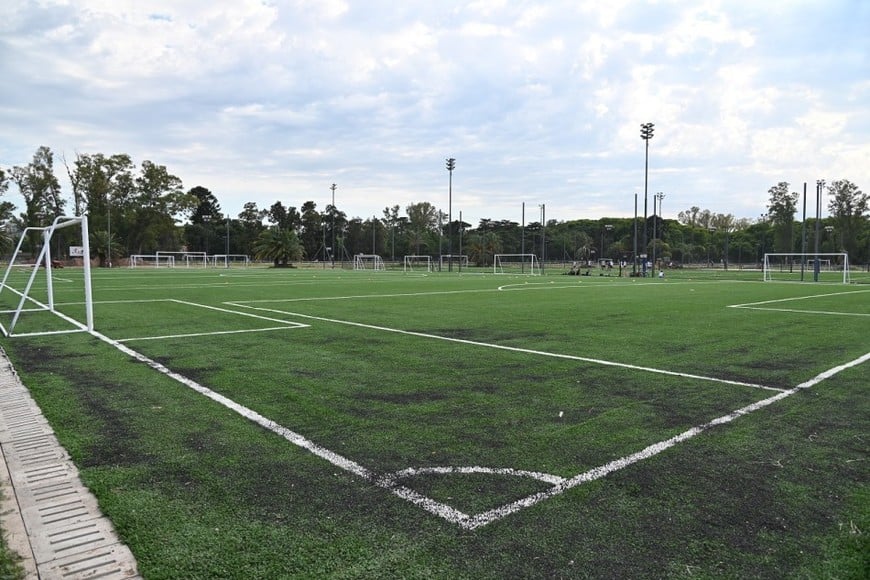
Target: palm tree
(103, 248)
(483, 247)
(279, 245)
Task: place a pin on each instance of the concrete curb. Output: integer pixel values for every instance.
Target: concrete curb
(49, 517)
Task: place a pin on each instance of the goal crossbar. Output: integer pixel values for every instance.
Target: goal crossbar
(775, 262)
(516, 264)
(45, 260)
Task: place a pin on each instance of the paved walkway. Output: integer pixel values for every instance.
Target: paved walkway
(49, 517)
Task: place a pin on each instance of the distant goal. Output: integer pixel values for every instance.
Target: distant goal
(371, 262)
(414, 263)
(516, 264)
(828, 267)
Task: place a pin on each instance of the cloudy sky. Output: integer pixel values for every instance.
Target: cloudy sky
(539, 101)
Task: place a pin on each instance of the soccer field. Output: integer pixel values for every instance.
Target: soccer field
(266, 423)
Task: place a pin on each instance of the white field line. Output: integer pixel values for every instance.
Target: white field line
(452, 515)
(795, 298)
(285, 324)
(442, 510)
(799, 311)
(213, 333)
(654, 449)
(514, 348)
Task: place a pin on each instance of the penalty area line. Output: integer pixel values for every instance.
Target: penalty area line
(650, 451)
(439, 509)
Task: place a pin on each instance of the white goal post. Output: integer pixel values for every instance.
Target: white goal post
(44, 263)
(226, 260)
(806, 266)
(516, 264)
(368, 262)
(420, 262)
(447, 259)
(189, 258)
(152, 260)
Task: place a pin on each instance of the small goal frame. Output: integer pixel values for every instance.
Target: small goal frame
(44, 260)
(411, 259)
(369, 262)
(807, 261)
(529, 264)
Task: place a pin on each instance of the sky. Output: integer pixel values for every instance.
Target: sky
(539, 102)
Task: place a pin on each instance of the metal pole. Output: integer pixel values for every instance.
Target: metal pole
(804, 235)
(634, 266)
(646, 133)
(523, 239)
(460, 241)
(332, 253)
(109, 219)
(451, 165)
(655, 197)
(543, 236)
(816, 265)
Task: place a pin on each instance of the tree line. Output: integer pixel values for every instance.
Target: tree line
(142, 209)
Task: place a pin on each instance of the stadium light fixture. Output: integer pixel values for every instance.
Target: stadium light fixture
(451, 165)
(646, 133)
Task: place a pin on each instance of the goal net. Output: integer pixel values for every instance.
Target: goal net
(516, 264)
(418, 263)
(368, 262)
(446, 260)
(152, 261)
(227, 260)
(829, 267)
(187, 258)
(28, 304)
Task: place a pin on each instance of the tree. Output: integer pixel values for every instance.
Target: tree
(156, 204)
(781, 208)
(849, 208)
(422, 223)
(312, 231)
(483, 248)
(41, 192)
(201, 233)
(279, 245)
(98, 183)
(6, 209)
(104, 247)
(207, 210)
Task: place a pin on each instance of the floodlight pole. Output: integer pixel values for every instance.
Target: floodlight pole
(543, 236)
(451, 165)
(816, 265)
(109, 220)
(646, 133)
(227, 257)
(332, 253)
(804, 235)
(634, 261)
(460, 241)
(659, 196)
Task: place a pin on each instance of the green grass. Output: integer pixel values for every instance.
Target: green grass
(394, 372)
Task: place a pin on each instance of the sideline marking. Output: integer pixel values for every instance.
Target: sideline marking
(285, 324)
(758, 305)
(213, 333)
(452, 515)
(515, 349)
